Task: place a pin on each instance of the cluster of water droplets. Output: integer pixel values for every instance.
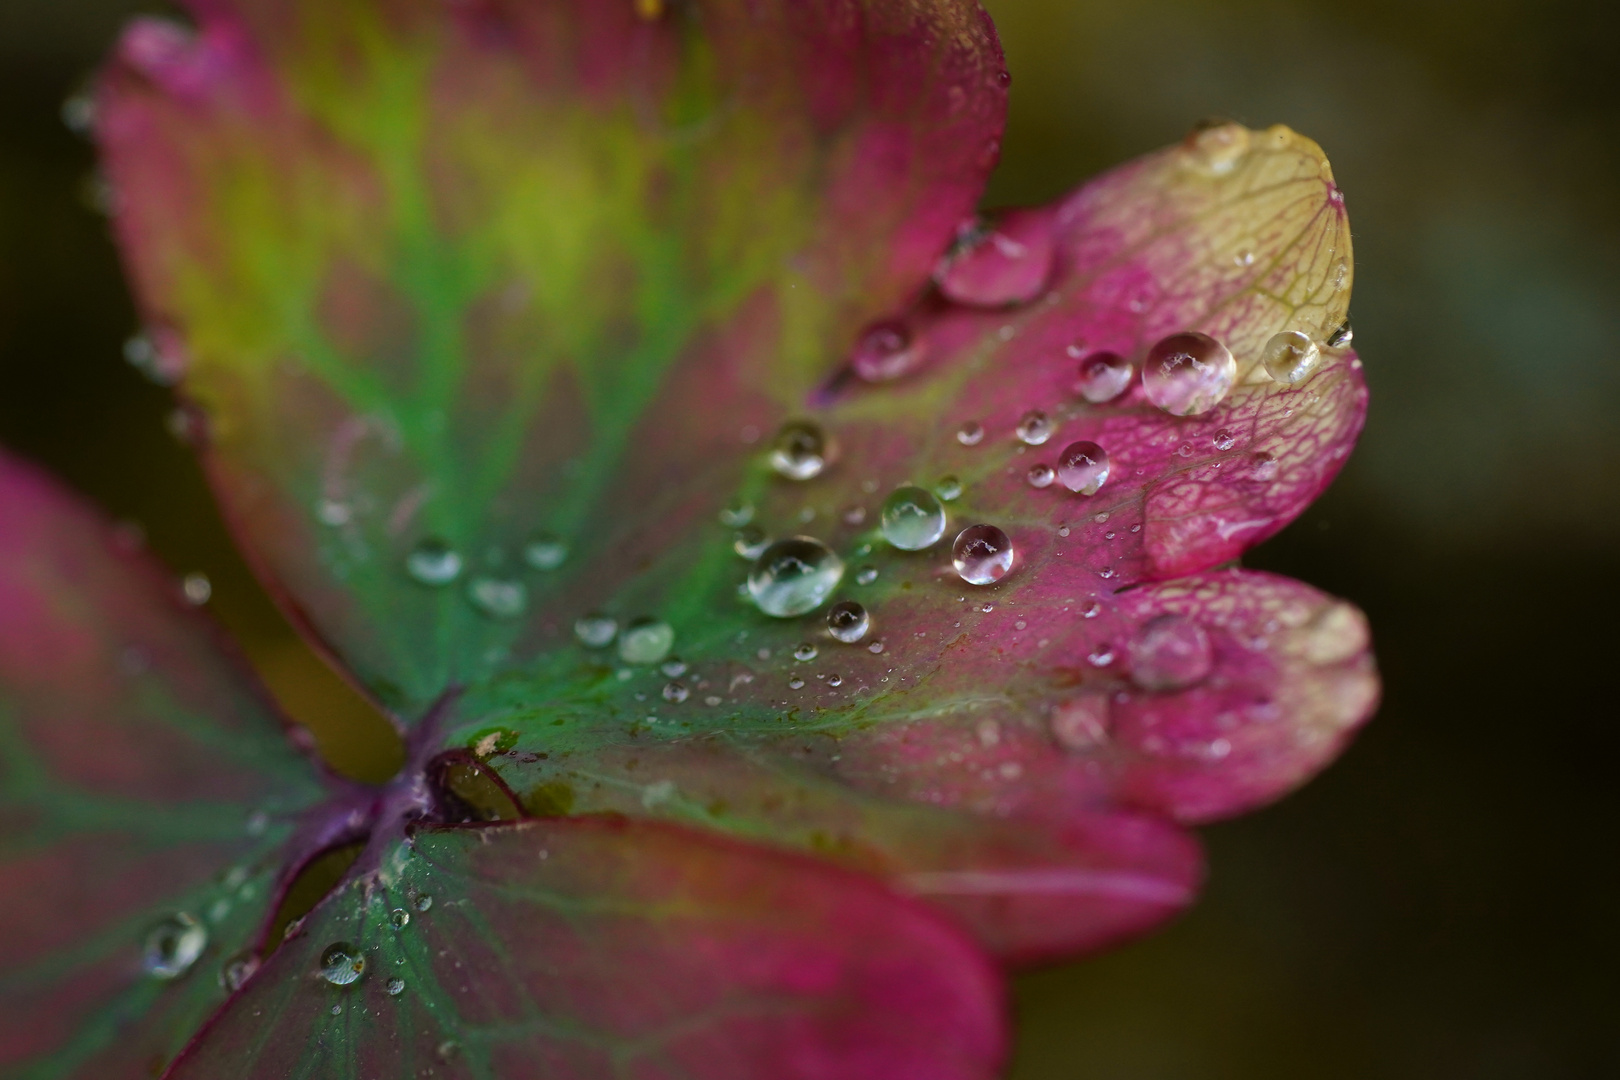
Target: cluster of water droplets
(436, 564)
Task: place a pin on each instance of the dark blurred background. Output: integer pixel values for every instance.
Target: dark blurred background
(1443, 901)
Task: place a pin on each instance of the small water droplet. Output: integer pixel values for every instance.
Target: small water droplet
(1040, 475)
(1170, 652)
(886, 351)
(801, 450)
(712, 700)
(1091, 610)
(1188, 374)
(749, 541)
(948, 488)
(1342, 336)
(676, 692)
(447, 1050)
(423, 902)
(912, 518)
(794, 576)
(342, 963)
(499, 598)
(646, 641)
(795, 683)
(854, 515)
(1034, 428)
(596, 631)
(805, 652)
(1290, 357)
(971, 433)
(848, 622)
(545, 552)
(395, 987)
(1101, 656)
(673, 668)
(875, 648)
(1224, 440)
(333, 513)
(835, 680)
(866, 575)
(238, 970)
(1103, 377)
(1216, 149)
(737, 513)
(173, 946)
(982, 554)
(1083, 467)
(197, 589)
(433, 562)
(1083, 723)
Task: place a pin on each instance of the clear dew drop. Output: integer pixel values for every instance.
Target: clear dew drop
(1290, 357)
(676, 692)
(646, 641)
(423, 902)
(1188, 374)
(805, 652)
(1223, 440)
(886, 351)
(1342, 336)
(982, 554)
(912, 518)
(749, 541)
(395, 987)
(971, 433)
(499, 598)
(796, 683)
(236, 971)
(1040, 475)
(545, 552)
(737, 513)
(1169, 652)
(948, 488)
(801, 450)
(1034, 428)
(1083, 467)
(1103, 377)
(173, 946)
(342, 964)
(794, 576)
(596, 631)
(399, 918)
(848, 622)
(433, 563)
(835, 681)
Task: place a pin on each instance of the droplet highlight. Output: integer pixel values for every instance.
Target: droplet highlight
(801, 450)
(596, 631)
(1083, 467)
(982, 554)
(545, 552)
(971, 433)
(1040, 475)
(646, 641)
(794, 576)
(1290, 357)
(433, 563)
(342, 964)
(172, 946)
(848, 622)
(912, 518)
(499, 598)
(1034, 428)
(886, 351)
(1188, 374)
(1103, 377)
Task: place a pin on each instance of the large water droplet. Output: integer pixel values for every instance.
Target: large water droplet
(646, 641)
(1169, 652)
(342, 964)
(1103, 377)
(596, 631)
(912, 518)
(886, 351)
(545, 552)
(499, 598)
(433, 562)
(1034, 428)
(794, 576)
(971, 433)
(1188, 374)
(173, 946)
(801, 450)
(1290, 357)
(848, 622)
(982, 554)
(1083, 467)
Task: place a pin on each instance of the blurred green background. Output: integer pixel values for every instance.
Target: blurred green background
(1442, 902)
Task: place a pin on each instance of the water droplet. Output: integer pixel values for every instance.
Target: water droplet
(423, 902)
(395, 987)
(912, 518)
(333, 513)
(801, 450)
(1170, 652)
(399, 918)
(1188, 374)
(1216, 149)
(1224, 440)
(875, 648)
(1101, 656)
(794, 576)
(1008, 262)
(197, 589)
(1040, 475)
(1083, 468)
(1081, 724)
(971, 433)
(342, 964)
(173, 946)
(1342, 336)
(433, 562)
(795, 683)
(545, 552)
(749, 541)
(238, 970)
(673, 668)
(1290, 357)
(835, 681)
(1034, 428)
(982, 554)
(498, 598)
(596, 631)
(886, 351)
(79, 113)
(737, 514)
(805, 652)
(948, 488)
(848, 622)
(646, 641)
(866, 575)
(854, 515)
(1091, 610)
(676, 692)
(1103, 377)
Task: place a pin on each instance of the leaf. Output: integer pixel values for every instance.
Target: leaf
(597, 947)
(149, 805)
(438, 272)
